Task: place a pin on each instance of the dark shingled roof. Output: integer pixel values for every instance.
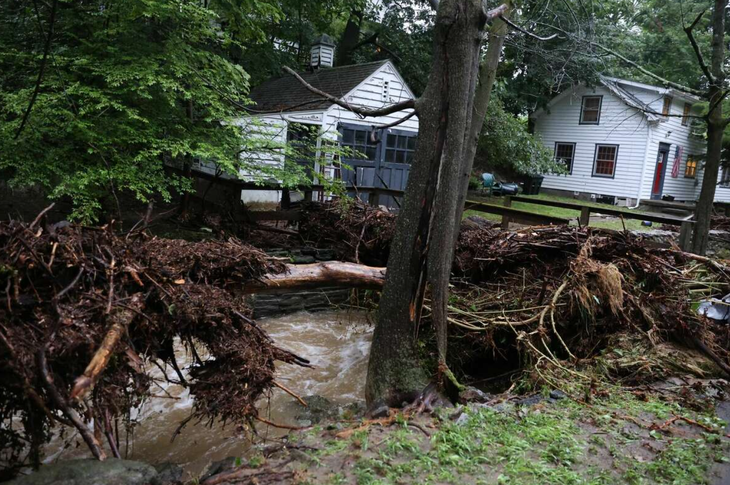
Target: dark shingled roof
(286, 93)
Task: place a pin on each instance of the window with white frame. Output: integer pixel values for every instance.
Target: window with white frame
(604, 164)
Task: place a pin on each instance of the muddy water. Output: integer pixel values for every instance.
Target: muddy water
(337, 344)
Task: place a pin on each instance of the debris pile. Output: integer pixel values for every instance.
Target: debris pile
(560, 294)
(85, 312)
(357, 232)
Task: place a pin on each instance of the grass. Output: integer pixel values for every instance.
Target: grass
(629, 224)
(552, 443)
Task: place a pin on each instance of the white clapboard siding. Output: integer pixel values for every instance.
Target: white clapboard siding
(670, 131)
(384, 87)
(373, 93)
(619, 125)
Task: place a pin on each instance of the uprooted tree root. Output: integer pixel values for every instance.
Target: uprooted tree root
(84, 313)
(556, 297)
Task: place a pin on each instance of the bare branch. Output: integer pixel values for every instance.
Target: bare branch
(393, 108)
(635, 65)
(496, 12)
(398, 122)
(696, 48)
(520, 29)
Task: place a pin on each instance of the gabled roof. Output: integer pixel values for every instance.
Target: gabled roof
(618, 88)
(286, 93)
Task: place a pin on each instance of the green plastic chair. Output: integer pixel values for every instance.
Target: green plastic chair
(487, 183)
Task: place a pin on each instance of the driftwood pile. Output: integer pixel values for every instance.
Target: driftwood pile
(357, 232)
(85, 312)
(560, 294)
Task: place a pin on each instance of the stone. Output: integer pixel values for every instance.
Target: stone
(226, 464)
(91, 472)
(303, 259)
(472, 394)
(318, 409)
(557, 394)
(168, 474)
(381, 411)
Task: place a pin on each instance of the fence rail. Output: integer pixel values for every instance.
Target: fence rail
(685, 226)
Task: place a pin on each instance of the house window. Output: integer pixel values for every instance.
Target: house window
(399, 147)
(590, 112)
(667, 107)
(604, 164)
(690, 171)
(685, 114)
(361, 142)
(725, 177)
(565, 153)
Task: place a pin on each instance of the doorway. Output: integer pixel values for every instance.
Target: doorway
(662, 157)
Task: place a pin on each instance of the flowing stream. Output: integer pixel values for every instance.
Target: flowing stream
(336, 342)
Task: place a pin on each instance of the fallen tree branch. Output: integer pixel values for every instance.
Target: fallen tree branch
(393, 108)
(290, 392)
(120, 320)
(67, 410)
(318, 275)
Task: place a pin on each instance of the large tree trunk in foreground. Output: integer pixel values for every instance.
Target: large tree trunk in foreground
(422, 248)
(715, 127)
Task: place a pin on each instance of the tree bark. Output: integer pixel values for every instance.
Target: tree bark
(715, 128)
(422, 248)
(487, 75)
(318, 275)
(349, 39)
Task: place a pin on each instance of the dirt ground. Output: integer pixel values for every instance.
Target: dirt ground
(671, 433)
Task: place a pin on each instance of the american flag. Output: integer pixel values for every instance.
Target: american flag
(677, 161)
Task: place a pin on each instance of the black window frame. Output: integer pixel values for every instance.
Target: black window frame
(724, 177)
(686, 111)
(582, 109)
(354, 144)
(595, 161)
(572, 159)
(406, 150)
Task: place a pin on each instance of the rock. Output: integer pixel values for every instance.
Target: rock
(318, 408)
(168, 474)
(303, 259)
(557, 394)
(92, 472)
(529, 400)
(226, 464)
(472, 394)
(380, 411)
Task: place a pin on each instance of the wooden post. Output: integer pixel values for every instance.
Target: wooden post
(585, 216)
(685, 236)
(374, 198)
(505, 218)
(308, 195)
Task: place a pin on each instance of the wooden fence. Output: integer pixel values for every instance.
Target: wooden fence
(685, 226)
(508, 213)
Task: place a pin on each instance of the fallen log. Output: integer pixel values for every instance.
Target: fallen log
(318, 275)
(120, 320)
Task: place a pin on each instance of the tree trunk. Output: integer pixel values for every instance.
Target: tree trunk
(422, 248)
(487, 75)
(349, 39)
(318, 275)
(715, 127)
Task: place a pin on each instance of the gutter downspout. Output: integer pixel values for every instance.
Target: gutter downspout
(650, 129)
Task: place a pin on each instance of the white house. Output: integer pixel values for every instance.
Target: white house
(625, 139)
(289, 111)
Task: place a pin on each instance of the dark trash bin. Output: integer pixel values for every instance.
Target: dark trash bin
(533, 184)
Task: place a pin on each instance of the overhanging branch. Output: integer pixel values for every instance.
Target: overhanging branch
(520, 29)
(696, 48)
(393, 108)
(635, 65)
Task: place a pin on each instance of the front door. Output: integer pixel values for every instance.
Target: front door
(662, 157)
